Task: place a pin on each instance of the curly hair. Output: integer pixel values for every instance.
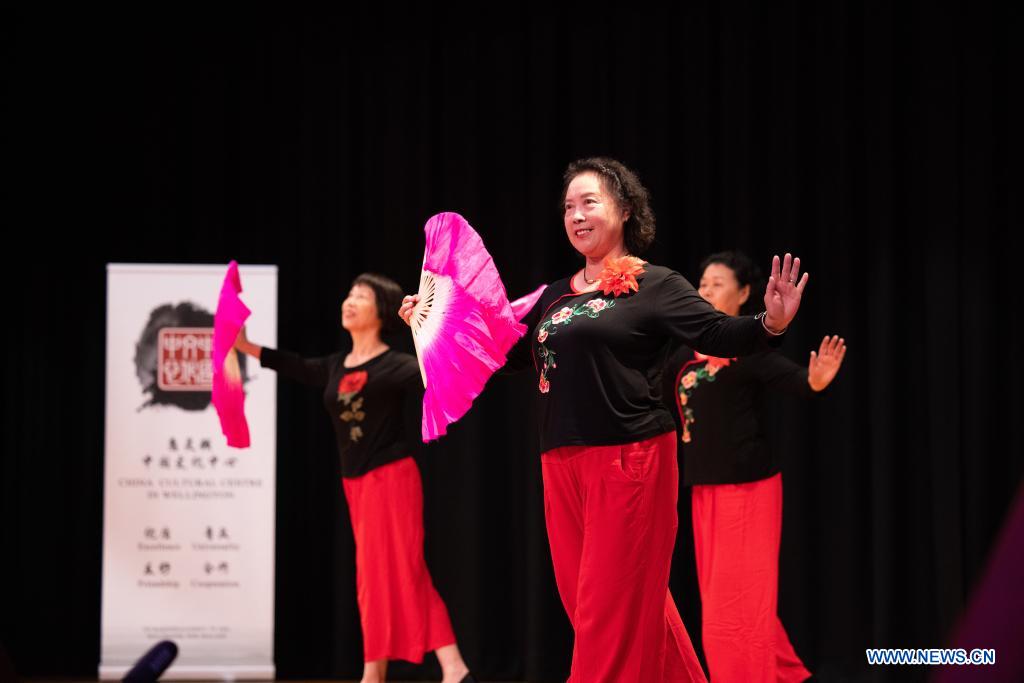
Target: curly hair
(388, 297)
(630, 194)
(746, 273)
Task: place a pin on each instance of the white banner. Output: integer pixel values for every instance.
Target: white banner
(188, 524)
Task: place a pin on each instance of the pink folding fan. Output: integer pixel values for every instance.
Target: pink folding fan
(228, 392)
(463, 325)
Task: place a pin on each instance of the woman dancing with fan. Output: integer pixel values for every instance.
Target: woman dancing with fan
(598, 341)
(373, 396)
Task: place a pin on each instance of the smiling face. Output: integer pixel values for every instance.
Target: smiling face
(720, 287)
(593, 219)
(359, 310)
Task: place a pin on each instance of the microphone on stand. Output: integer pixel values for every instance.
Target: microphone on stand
(152, 664)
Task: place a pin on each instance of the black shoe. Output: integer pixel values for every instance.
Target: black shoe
(468, 678)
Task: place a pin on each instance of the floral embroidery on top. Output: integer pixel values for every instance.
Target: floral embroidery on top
(562, 317)
(350, 385)
(619, 275)
(688, 381)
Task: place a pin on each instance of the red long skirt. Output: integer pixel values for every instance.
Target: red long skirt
(612, 521)
(401, 613)
(736, 533)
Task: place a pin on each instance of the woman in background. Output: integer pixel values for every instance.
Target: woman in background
(373, 396)
(737, 486)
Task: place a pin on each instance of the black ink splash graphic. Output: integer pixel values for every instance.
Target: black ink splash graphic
(185, 314)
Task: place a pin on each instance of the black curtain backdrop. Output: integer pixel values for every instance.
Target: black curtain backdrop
(876, 140)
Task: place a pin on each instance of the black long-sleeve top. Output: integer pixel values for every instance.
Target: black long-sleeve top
(599, 358)
(375, 408)
(717, 405)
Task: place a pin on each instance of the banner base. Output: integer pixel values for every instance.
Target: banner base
(197, 672)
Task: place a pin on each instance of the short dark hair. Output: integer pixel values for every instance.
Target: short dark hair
(746, 273)
(388, 298)
(629, 193)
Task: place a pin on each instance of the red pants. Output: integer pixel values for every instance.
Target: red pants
(612, 521)
(401, 613)
(736, 532)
